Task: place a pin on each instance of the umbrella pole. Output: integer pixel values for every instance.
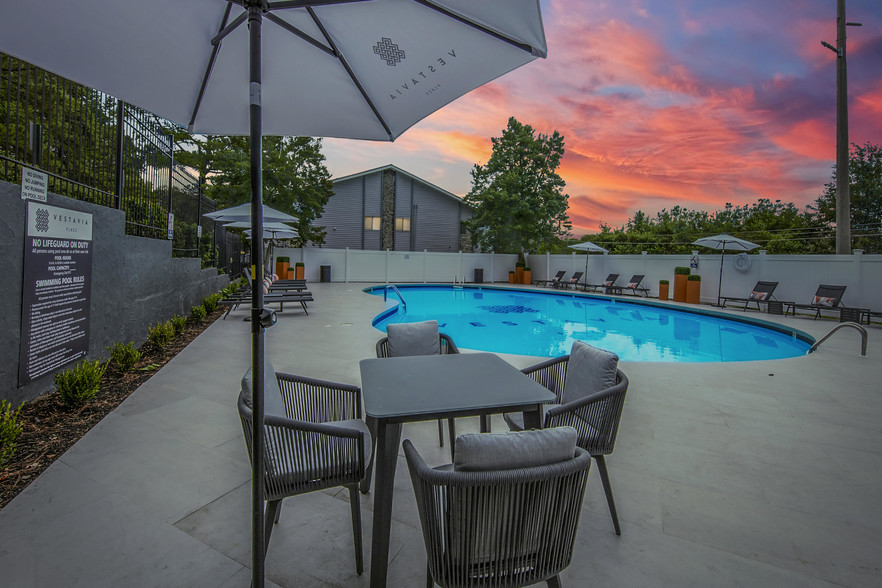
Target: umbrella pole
(257, 351)
(720, 285)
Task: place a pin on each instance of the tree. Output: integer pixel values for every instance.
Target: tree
(295, 179)
(865, 185)
(518, 196)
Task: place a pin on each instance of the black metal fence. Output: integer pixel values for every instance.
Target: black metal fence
(96, 148)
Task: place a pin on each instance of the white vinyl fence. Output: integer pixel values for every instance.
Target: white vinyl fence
(798, 276)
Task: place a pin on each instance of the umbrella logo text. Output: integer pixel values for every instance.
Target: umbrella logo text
(389, 52)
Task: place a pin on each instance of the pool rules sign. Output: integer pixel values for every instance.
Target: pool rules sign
(56, 293)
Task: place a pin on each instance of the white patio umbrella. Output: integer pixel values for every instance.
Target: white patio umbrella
(333, 68)
(271, 231)
(242, 213)
(587, 247)
(724, 242)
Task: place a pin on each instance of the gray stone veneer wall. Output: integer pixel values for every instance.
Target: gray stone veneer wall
(135, 284)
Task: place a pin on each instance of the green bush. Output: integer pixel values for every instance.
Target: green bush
(77, 385)
(299, 264)
(178, 323)
(682, 271)
(124, 356)
(160, 335)
(283, 259)
(211, 303)
(527, 269)
(520, 264)
(663, 282)
(10, 429)
(197, 314)
(693, 278)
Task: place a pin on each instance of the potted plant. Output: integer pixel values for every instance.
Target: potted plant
(663, 286)
(511, 277)
(528, 275)
(680, 275)
(519, 272)
(282, 265)
(299, 270)
(693, 289)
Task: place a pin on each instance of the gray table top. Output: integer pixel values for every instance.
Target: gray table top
(401, 387)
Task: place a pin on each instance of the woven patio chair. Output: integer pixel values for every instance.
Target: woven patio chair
(506, 513)
(314, 439)
(590, 400)
(411, 334)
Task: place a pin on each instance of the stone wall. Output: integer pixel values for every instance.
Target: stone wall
(135, 283)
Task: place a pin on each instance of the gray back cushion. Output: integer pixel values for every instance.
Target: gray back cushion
(272, 395)
(505, 451)
(589, 370)
(413, 339)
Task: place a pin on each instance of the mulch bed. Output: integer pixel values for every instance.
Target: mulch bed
(49, 428)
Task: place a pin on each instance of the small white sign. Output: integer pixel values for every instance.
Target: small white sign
(171, 225)
(198, 231)
(34, 184)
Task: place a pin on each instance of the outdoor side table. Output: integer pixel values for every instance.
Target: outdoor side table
(848, 313)
(399, 390)
(775, 306)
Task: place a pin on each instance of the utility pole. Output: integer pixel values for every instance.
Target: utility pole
(843, 177)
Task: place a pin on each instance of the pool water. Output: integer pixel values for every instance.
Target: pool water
(546, 324)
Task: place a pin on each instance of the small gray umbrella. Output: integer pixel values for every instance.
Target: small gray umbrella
(587, 247)
(242, 213)
(722, 243)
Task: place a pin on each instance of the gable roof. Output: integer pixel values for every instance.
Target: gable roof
(398, 170)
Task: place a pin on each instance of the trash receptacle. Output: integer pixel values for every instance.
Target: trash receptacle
(479, 275)
(325, 273)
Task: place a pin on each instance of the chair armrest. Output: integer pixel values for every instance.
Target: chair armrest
(318, 401)
(551, 373)
(447, 344)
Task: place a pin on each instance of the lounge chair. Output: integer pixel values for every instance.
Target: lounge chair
(553, 281)
(574, 281)
(269, 297)
(762, 292)
(634, 286)
(826, 297)
(505, 513)
(608, 283)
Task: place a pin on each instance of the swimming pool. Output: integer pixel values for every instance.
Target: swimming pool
(546, 324)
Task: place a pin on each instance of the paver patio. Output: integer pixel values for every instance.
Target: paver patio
(757, 474)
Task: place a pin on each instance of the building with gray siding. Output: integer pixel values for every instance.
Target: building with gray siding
(389, 208)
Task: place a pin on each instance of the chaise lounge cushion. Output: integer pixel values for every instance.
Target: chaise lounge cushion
(407, 339)
(590, 370)
(505, 451)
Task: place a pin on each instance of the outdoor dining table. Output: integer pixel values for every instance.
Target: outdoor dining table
(400, 390)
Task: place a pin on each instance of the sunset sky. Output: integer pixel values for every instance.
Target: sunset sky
(662, 103)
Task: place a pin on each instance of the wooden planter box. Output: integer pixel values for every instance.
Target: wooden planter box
(282, 269)
(299, 272)
(511, 278)
(663, 291)
(693, 292)
(680, 287)
(527, 277)
(519, 275)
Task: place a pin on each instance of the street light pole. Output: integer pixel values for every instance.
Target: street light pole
(843, 177)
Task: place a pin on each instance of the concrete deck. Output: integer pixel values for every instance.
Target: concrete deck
(743, 474)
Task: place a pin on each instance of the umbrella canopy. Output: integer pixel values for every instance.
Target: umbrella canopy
(242, 213)
(587, 247)
(333, 68)
(723, 243)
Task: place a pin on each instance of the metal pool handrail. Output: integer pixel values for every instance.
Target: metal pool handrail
(397, 291)
(860, 329)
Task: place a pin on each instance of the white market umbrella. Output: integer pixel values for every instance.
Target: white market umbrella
(271, 231)
(242, 213)
(723, 243)
(587, 247)
(323, 68)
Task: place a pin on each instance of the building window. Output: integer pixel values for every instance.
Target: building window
(402, 224)
(371, 223)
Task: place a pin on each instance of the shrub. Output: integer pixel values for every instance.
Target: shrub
(77, 385)
(693, 278)
(210, 303)
(10, 429)
(527, 269)
(197, 314)
(283, 259)
(178, 323)
(682, 271)
(124, 356)
(663, 282)
(299, 264)
(520, 264)
(160, 335)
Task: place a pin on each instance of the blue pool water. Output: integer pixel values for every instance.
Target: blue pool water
(546, 324)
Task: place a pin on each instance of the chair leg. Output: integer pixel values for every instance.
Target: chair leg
(451, 430)
(430, 583)
(272, 511)
(607, 489)
(441, 433)
(278, 514)
(355, 507)
(553, 582)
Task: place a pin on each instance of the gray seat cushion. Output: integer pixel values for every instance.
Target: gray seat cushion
(505, 451)
(589, 370)
(414, 339)
(517, 418)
